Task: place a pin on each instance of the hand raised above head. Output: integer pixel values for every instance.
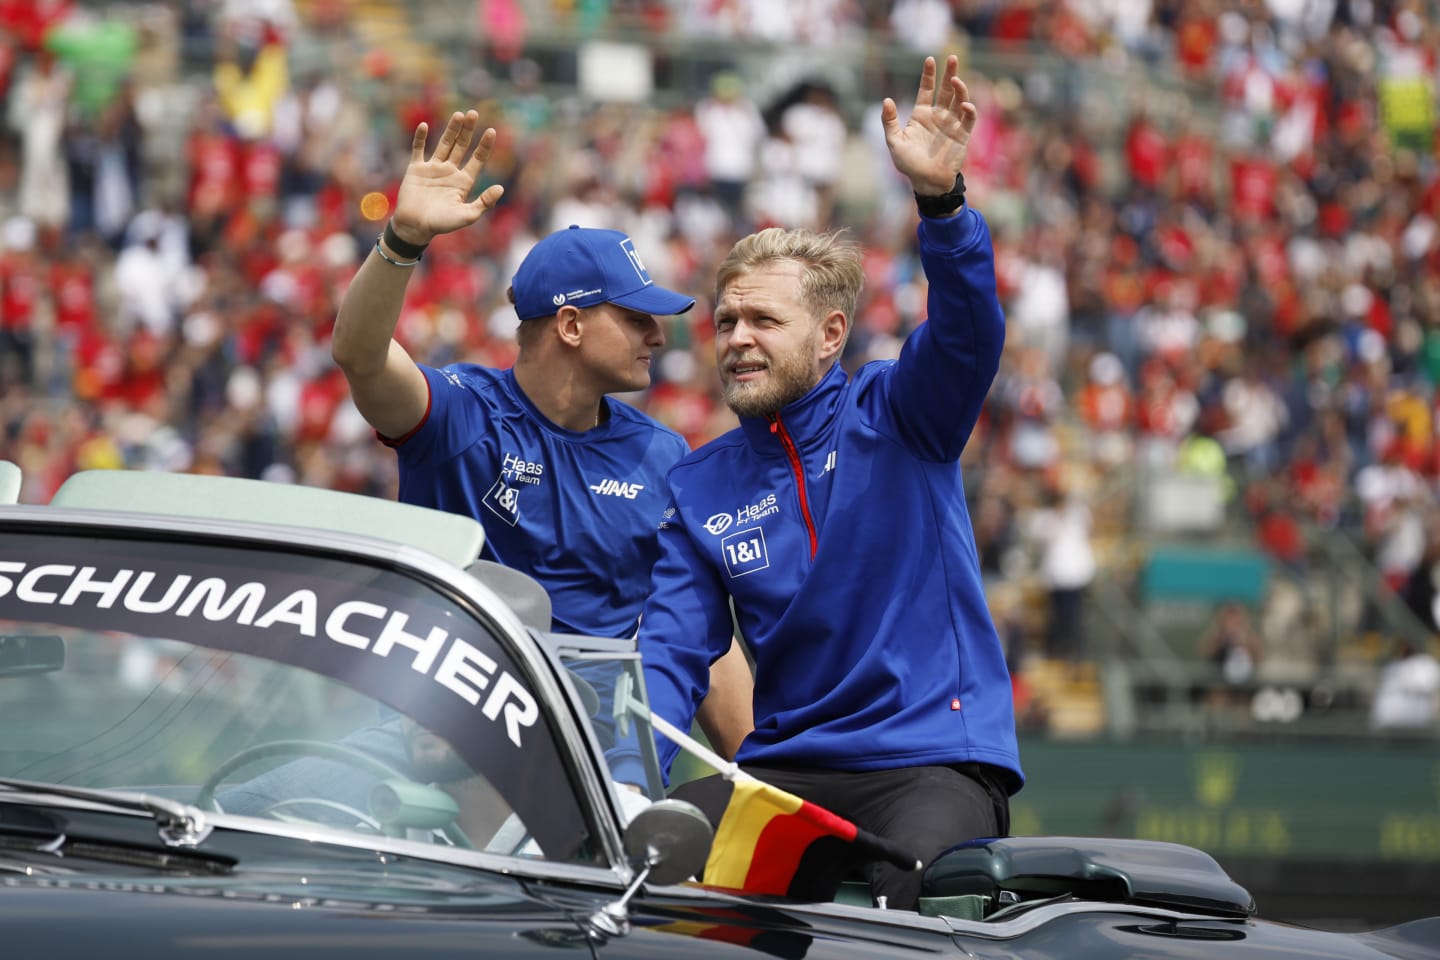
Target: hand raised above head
(930, 148)
(434, 195)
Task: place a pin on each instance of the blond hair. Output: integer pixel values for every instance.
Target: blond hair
(831, 273)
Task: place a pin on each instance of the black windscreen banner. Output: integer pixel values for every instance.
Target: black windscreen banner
(378, 631)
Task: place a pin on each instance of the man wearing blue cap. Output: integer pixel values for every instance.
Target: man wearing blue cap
(569, 484)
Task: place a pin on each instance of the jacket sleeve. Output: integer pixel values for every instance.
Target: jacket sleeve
(930, 399)
(686, 627)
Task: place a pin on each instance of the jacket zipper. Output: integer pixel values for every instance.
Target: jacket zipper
(798, 469)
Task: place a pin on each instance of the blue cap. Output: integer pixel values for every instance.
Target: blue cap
(582, 267)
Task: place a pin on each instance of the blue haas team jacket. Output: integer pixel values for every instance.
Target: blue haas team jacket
(840, 530)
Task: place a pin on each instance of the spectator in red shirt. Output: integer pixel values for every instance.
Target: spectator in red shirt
(1147, 153)
(22, 286)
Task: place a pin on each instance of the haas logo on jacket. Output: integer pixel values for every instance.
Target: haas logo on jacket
(617, 488)
(756, 511)
(719, 523)
(751, 513)
(517, 469)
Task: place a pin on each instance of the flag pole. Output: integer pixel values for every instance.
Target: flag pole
(728, 768)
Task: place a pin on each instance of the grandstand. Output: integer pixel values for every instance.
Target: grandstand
(1204, 487)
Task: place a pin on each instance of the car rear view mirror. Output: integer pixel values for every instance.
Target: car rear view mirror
(22, 654)
(668, 841)
(672, 837)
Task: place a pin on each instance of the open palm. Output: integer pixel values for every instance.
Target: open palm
(434, 195)
(930, 148)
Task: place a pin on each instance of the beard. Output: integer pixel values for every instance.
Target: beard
(790, 376)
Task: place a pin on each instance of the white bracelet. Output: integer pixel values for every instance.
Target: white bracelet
(391, 260)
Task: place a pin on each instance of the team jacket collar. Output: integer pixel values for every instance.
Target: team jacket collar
(804, 418)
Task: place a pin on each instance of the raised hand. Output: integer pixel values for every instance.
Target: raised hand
(434, 195)
(930, 148)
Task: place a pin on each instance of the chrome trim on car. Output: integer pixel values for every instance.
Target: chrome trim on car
(1004, 929)
(1044, 913)
(177, 824)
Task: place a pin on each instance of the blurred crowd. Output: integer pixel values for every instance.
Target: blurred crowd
(1241, 283)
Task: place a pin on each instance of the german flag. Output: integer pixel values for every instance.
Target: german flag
(770, 841)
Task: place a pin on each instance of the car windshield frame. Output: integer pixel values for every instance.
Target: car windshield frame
(558, 701)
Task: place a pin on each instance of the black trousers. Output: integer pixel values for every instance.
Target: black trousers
(925, 809)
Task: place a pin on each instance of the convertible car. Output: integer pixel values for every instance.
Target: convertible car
(245, 719)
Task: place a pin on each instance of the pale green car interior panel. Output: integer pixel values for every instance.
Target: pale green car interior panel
(454, 538)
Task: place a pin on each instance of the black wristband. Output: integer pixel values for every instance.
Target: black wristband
(946, 203)
(410, 251)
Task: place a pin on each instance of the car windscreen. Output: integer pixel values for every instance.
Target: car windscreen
(177, 658)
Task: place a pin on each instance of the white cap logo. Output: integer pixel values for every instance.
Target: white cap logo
(558, 299)
(628, 246)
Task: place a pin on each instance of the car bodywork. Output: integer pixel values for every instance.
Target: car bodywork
(239, 719)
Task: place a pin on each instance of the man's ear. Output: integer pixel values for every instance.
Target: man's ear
(834, 329)
(569, 324)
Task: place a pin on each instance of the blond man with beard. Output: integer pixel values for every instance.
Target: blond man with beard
(834, 521)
